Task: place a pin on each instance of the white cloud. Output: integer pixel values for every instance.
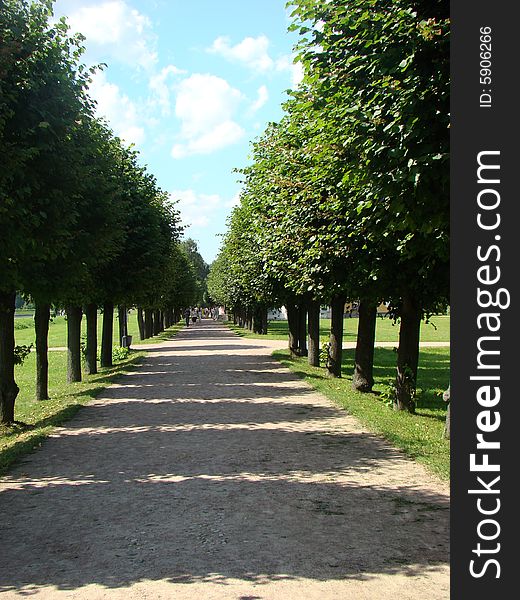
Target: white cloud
(160, 89)
(115, 29)
(295, 69)
(120, 112)
(252, 52)
(205, 106)
(196, 209)
(235, 201)
(263, 97)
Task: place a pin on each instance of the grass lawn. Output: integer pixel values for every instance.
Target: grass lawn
(420, 436)
(438, 330)
(24, 331)
(65, 401)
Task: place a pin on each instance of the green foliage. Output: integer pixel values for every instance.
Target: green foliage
(120, 353)
(325, 354)
(21, 353)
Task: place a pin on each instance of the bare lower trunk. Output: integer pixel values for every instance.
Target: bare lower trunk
(74, 314)
(121, 313)
(140, 323)
(156, 322)
(336, 336)
(91, 349)
(107, 335)
(42, 315)
(302, 329)
(292, 323)
(408, 354)
(8, 388)
(148, 323)
(363, 377)
(314, 333)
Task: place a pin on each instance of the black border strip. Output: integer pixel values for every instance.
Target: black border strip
(484, 119)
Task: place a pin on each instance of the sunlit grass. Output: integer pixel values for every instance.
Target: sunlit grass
(24, 331)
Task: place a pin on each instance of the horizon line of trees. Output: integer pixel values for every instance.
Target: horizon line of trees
(347, 196)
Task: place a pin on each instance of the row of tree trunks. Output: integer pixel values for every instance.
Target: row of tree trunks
(152, 322)
(8, 388)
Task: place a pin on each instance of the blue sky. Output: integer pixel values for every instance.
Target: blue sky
(190, 83)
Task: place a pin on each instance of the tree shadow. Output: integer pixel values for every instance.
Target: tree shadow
(212, 469)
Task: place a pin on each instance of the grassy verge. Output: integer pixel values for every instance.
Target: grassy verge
(420, 436)
(66, 400)
(24, 330)
(167, 334)
(437, 330)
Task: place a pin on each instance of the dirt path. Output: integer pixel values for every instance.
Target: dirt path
(213, 473)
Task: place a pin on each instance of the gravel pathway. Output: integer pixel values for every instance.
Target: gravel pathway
(211, 472)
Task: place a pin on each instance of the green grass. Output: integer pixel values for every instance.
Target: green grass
(65, 401)
(438, 330)
(24, 331)
(420, 436)
(167, 334)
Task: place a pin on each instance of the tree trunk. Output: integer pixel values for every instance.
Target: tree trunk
(314, 333)
(74, 314)
(156, 322)
(265, 323)
(148, 323)
(42, 315)
(121, 322)
(91, 350)
(336, 336)
(107, 334)
(408, 354)
(8, 388)
(302, 329)
(363, 377)
(140, 323)
(292, 323)
(260, 319)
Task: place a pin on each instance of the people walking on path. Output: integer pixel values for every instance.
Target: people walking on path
(187, 314)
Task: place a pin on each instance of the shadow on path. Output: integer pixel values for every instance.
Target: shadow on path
(216, 467)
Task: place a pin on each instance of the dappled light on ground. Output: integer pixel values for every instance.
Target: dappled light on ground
(218, 473)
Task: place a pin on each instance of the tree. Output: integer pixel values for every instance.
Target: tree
(43, 92)
(379, 74)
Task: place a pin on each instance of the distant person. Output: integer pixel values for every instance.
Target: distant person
(187, 317)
